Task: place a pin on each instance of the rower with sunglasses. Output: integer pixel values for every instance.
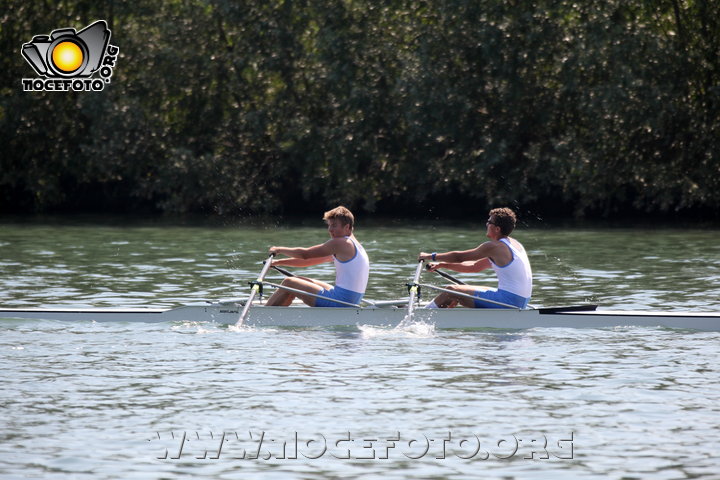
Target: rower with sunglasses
(503, 254)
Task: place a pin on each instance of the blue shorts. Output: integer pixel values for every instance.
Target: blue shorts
(338, 293)
(502, 296)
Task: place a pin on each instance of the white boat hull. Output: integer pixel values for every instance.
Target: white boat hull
(301, 316)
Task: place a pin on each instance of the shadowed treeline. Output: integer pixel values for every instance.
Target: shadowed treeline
(268, 106)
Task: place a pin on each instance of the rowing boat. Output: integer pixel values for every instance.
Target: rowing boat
(390, 314)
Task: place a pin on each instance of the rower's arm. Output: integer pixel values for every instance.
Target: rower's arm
(316, 254)
(300, 262)
(466, 267)
(482, 251)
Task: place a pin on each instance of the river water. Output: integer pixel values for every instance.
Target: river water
(197, 400)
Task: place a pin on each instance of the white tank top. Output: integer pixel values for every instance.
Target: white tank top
(516, 276)
(353, 274)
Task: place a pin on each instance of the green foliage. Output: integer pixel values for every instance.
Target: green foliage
(232, 107)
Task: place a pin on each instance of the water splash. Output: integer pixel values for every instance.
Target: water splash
(235, 328)
(199, 328)
(417, 329)
(249, 328)
(205, 328)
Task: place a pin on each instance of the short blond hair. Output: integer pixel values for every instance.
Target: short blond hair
(340, 213)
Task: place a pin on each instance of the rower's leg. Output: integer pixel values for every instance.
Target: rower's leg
(283, 298)
(448, 300)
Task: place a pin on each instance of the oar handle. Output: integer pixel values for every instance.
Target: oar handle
(283, 271)
(447, 276)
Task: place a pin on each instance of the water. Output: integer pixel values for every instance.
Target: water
(94, 401)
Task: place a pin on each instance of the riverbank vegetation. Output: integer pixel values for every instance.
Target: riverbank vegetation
(246, 107)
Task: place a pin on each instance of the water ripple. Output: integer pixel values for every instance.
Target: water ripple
(101, 401)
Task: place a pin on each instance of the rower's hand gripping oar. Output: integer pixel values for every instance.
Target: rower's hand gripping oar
(447, 276)
(256, 285)
(414, 289)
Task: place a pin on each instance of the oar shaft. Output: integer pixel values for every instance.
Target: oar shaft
(414, 289)
(283, 271)
(255, 289)
(447, 276)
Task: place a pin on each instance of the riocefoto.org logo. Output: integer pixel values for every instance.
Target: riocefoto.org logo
(67, 60)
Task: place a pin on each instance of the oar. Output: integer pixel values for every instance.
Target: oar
(414, 291)
(447, 276)
(254, 290)
(283, 271)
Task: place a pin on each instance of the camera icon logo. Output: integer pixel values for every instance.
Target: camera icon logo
(66, 54)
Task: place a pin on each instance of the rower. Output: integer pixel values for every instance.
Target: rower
(503, 254)
(352, 266)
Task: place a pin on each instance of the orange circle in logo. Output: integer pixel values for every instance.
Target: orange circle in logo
(67, 56)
